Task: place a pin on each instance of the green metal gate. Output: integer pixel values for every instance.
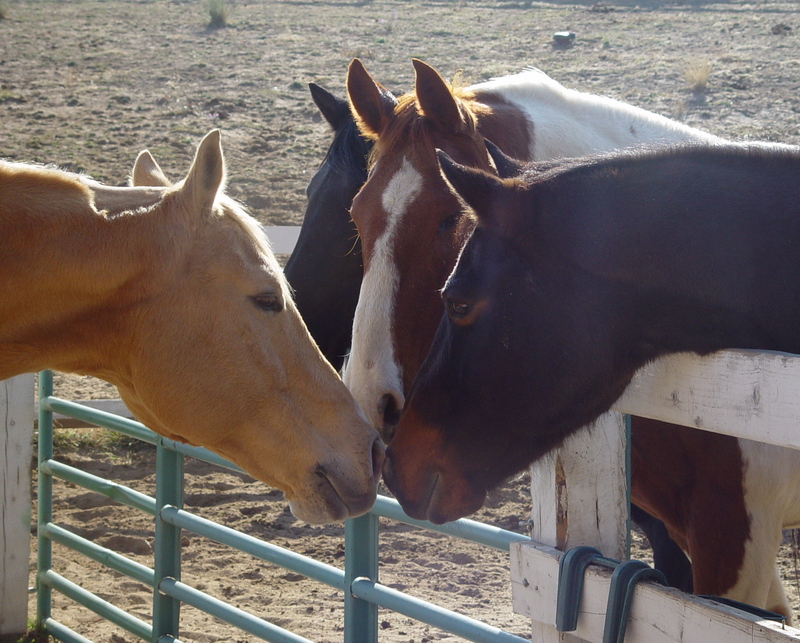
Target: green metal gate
(358, 581)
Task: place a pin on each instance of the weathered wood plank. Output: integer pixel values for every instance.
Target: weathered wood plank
(580, 497)
(16, 447)
(658, 614)
(282, 237)
(746, 394)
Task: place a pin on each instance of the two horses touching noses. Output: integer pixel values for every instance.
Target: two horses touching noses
(171, 293)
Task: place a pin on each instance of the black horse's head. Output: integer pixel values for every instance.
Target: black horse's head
(325, 268)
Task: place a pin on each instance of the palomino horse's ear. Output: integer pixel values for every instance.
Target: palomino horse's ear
(474, 187)
(334, 110)
(435, 99)
(147, 173)
(372, 104)
(207, 174)
(507, 167)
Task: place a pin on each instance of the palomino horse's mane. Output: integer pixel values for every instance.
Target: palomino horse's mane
(236, 212)
(25, 192)
(410, 126)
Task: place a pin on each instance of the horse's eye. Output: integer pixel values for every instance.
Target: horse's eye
(449, 222)
(458, 311)
(268, 301)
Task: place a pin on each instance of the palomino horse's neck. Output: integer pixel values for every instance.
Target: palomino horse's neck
(79, 266)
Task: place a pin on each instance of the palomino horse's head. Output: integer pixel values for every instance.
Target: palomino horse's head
(325, 267)
(199, 332)
(411, 228)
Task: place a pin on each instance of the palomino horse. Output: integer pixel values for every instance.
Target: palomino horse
(412, 229)
(576, 276)
(173, 295)
(325, 267)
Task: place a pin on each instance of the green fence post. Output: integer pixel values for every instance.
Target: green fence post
(360, 560)
(44, 558)
(167, 554)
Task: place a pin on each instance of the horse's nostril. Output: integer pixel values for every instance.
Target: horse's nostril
(388, 471)
(378, 455)
(389, 409)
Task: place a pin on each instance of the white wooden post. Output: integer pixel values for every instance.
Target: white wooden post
(580, 497)
(16, 443)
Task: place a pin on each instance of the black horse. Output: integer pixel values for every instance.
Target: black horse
(325, 268)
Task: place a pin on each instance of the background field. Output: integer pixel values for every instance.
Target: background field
(87, 84)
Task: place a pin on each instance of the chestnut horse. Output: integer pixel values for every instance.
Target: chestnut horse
(172, 294)
(577, 275)
(411, 246)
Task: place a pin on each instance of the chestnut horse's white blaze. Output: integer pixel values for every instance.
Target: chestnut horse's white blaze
(559, 122)
(373, 319)
(172, 294)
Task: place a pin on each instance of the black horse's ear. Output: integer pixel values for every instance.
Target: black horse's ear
(371, 103)
(334, 110)
(507, 167)
(475, 187)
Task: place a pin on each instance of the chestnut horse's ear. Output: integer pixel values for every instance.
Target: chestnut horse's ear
(371, 103)
(475, 187)
(435, 99)
(147, 173)
(206, 175)
(334, 110)
(507, 167)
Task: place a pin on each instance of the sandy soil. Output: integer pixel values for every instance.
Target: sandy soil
(87, 84)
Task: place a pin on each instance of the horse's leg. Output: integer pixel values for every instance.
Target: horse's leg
(776, 599)
(668, 557)
(757, 580)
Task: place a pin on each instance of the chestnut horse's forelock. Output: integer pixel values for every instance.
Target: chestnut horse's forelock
(409, 125)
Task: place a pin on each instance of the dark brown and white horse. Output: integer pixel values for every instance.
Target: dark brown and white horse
(412, 228)
(576, 276)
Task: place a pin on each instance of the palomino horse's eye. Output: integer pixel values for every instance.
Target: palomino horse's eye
(268, 301)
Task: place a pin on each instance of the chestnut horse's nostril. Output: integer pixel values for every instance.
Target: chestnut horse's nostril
(389, 409)
(378, 456)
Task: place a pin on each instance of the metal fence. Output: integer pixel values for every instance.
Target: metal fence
(362, 593)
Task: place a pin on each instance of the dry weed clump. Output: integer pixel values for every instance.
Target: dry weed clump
(218, 13)
(697, 73)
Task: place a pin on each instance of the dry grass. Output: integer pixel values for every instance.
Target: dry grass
(697, 73)
(3, 9)
(217, 12)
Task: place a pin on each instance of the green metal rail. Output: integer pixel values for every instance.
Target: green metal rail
(358, 581)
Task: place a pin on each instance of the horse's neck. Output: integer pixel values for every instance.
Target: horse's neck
(63, 277)
(567, 123)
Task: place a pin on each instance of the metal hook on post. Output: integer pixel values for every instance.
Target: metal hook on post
(623, 582)
(571, 569)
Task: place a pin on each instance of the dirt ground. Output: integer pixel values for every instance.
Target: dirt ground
(86, 84)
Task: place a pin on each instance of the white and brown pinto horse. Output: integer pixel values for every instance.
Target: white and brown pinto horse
(172, 294)
(412, 229)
